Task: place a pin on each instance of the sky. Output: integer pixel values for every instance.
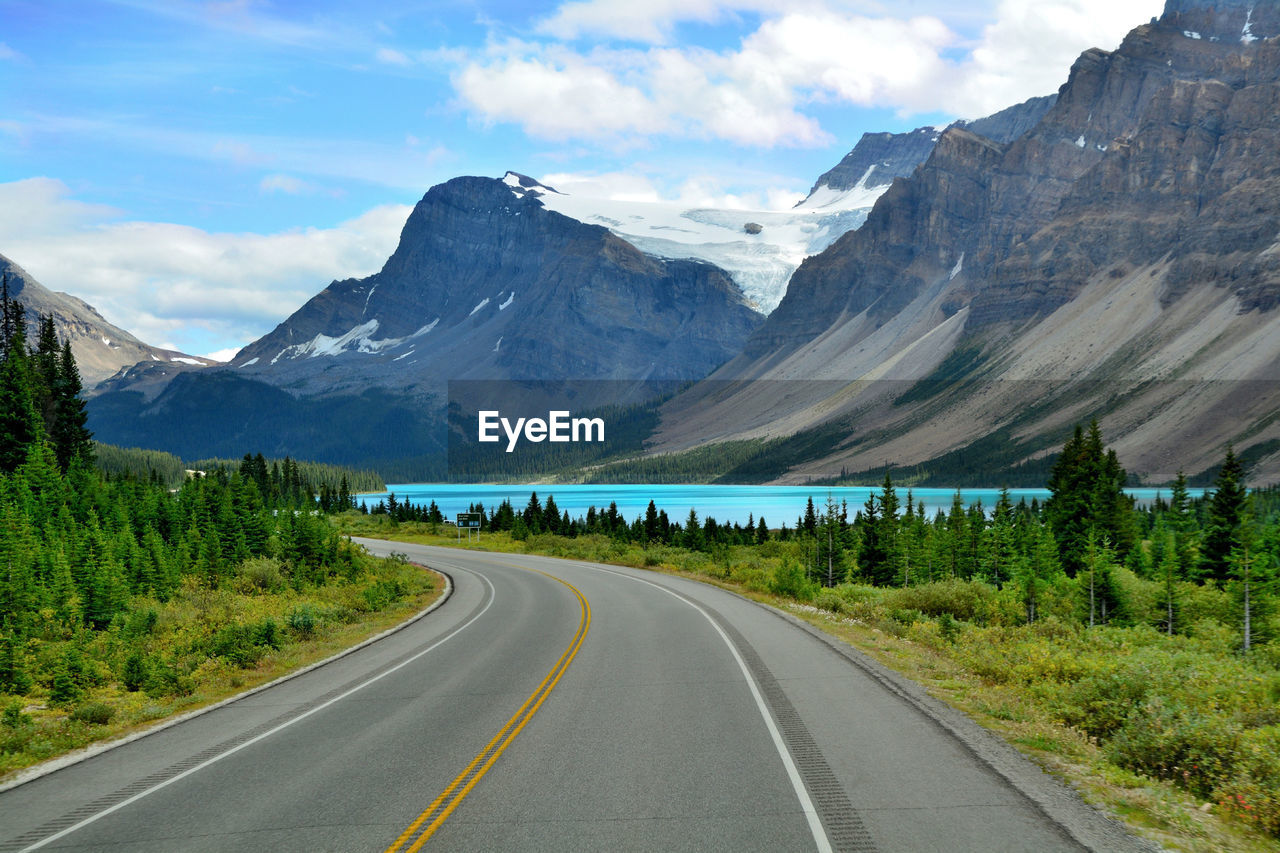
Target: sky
(198, 170)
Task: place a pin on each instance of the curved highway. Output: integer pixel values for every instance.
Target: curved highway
(555, 705)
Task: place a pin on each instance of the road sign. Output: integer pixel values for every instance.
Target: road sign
(469, 520)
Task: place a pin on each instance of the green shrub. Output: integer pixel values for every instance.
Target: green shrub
(260, 574)
(1101, 703)
(382, 594)
(94, 713)
(244, 645)
(1168, 740)
(165, 680)
(968, 601)
(906, 615)
(13, 718)
(140, 623)
(134, 674)
(302, 621)
(1252, 794)
(788, 579)
(69, 679)
(827, 599)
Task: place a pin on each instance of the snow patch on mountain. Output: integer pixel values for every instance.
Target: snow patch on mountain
(358, 339)
(760, 259)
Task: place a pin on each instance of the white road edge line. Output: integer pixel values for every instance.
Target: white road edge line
(268, 733)
(802, 794)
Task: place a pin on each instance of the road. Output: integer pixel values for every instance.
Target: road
(555, 705)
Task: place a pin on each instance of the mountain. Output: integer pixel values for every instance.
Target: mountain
(100, 348)
(487, 284)
(760, 249)
(878, 158)
(1119, 259)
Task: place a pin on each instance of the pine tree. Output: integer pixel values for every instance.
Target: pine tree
(1182, 526)
(20, 422)
(999, 546)
(871, 551)
(1087, 485)
(70, 436)
(693, 539)
(1225, 511)
(810, 523)
(957, 539)
(1035, 572)
(651, 523)
(832, 546)
(1168, 572)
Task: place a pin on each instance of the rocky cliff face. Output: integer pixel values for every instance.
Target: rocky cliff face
(878, 158)
(488, 284)
(1128, 239)
(100, 348)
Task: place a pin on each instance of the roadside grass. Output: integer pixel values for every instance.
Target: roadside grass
(204, 644)
(1175, 736)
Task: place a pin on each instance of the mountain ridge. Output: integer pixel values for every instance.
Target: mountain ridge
(1127, 240)
(101, 349)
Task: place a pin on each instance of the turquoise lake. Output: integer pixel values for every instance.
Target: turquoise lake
(726, 504)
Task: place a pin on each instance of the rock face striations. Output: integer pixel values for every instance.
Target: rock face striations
(1128, 242)
(878, 158)
(488, 284)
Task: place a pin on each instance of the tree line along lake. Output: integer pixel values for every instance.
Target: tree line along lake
(727, 504)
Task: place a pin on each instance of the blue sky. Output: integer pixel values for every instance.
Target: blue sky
(197, 170)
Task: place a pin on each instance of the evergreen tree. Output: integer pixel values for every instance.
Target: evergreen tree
(999, 545)
(1035, 572)
(832, 544)
(551, 515)
(1225, 510)
(871, 550)
(1087, 485)
(1182, 526)
(1251, 566)
(651, 531)
(693, 539)
(20, 423)
(957, 554)
(70, 436)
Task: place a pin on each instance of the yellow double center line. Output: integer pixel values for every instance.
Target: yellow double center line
(442, 806)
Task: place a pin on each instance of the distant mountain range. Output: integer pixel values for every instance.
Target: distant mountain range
(100, 348)
(955, 299)
(1119, 260)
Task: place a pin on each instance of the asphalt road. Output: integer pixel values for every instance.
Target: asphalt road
(557, 706)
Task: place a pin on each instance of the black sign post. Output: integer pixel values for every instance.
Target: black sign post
(468, 521)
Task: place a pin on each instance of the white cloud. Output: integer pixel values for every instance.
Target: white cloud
(649, 21)
(391, 56)
(556, 94)
(8, 53)
(222, 354)
(695, 191)
(760, 93)
(197, 289)
(287, 184)
(1028, 49)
